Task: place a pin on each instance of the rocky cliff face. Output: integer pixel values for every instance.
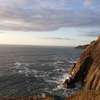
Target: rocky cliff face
(87, 68)
(85, 95)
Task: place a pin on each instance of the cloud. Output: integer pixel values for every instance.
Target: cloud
(92, 34)
(90, 31)
(58, 38)
(45, 15)
(88, 3)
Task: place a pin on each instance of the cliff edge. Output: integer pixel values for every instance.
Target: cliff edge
(87, 69)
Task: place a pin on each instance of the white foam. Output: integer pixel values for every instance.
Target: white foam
(27, 71)
(17, 65)
(20, 71)
(59, 87)
(60, 82)
(64, 77)
(51, 81)
(58, 62)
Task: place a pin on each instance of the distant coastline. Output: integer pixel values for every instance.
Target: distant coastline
(84, 46)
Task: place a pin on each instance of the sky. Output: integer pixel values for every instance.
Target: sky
(49, 22)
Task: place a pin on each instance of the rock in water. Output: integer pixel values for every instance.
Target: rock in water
(87, 68)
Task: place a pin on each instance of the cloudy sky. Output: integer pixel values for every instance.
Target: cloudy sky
(49, 22)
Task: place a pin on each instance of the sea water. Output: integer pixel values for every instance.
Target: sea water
(34, 70)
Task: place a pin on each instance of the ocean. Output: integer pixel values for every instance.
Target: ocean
(35, 70)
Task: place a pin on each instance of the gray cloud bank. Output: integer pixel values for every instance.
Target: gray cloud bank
(58, 38)
(45, 15)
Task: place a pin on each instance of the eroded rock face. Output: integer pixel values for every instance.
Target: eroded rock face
(87, 68)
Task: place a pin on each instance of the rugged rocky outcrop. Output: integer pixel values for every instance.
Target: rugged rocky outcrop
(82, 46)
(87, 68)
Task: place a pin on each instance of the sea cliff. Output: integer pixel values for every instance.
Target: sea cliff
(87, 68)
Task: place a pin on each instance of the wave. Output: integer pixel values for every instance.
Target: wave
(54, 77)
